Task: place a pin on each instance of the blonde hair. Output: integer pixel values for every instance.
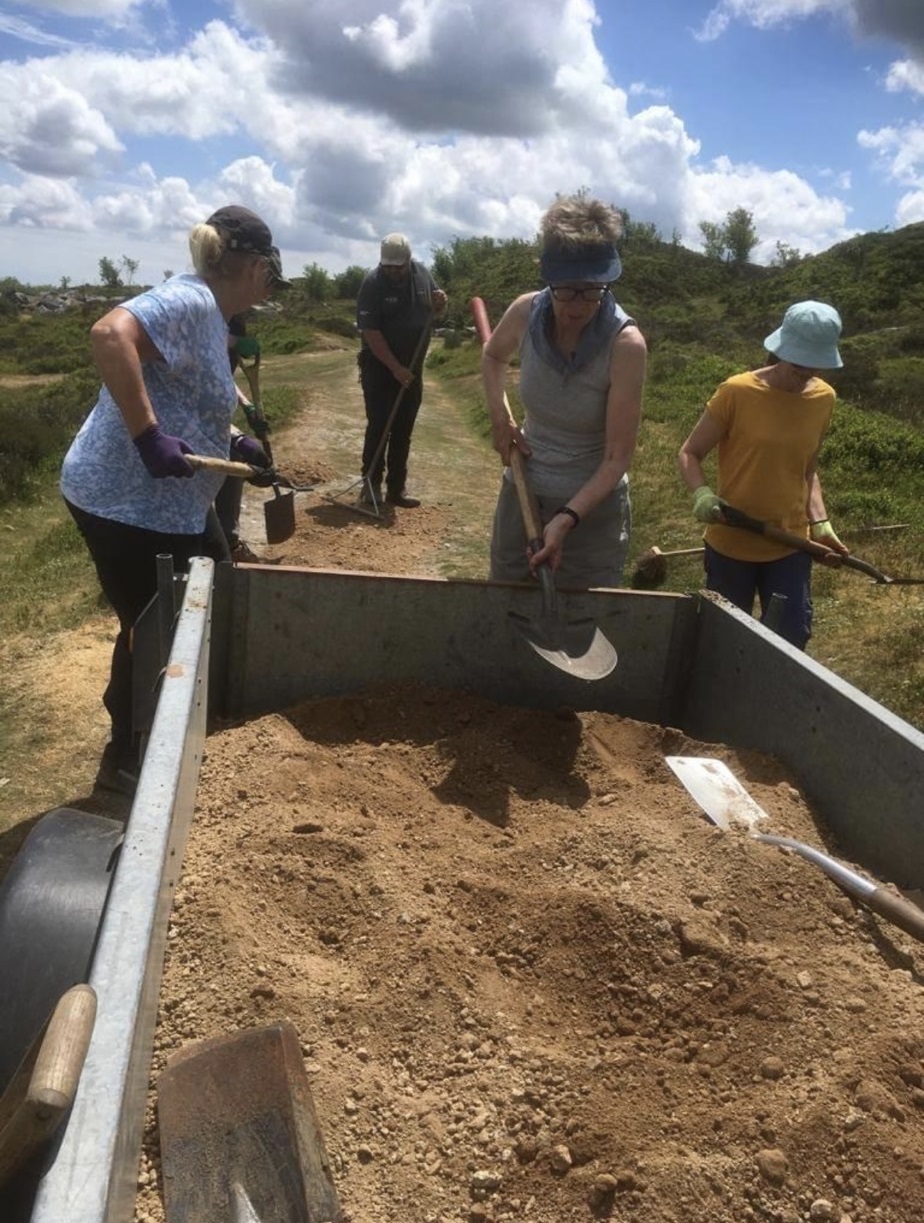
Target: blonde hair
(576, 220)
(210, 255)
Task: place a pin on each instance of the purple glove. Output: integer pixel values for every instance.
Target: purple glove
(162, 454)
(248, 450)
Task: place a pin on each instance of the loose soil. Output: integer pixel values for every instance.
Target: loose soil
(530, 980)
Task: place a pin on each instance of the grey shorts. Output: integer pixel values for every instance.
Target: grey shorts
(594, 554)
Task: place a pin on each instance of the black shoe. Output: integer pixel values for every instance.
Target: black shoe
(402, 500)
(370, 495)
(243, 554)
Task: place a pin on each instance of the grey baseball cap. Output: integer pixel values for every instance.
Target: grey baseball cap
(396, 251)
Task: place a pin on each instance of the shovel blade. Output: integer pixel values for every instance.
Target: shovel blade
(279, 517)
(717, 790)
(239, 1135)
(578, 647)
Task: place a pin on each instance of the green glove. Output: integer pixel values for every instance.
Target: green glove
(706, 505)
(247, 346)
(823, 533)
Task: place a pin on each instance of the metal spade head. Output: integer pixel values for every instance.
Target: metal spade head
(279, 516)
(575, 646)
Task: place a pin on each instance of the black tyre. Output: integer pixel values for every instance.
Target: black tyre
(51, 903)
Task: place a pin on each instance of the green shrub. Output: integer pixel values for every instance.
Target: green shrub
(37, 425)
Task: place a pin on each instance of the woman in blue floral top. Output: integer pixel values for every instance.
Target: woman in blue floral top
(167, 391)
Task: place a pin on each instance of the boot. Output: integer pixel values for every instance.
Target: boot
(402, 499)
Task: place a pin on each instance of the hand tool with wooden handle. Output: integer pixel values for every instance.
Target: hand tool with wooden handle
(43, 1088)
(737, 518)
(726, 802)
(225, 467)
(576, 646)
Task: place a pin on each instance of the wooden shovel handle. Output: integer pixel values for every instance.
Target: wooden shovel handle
(529, 506)
(897, 910)
(227, 467)
(43, 1088)
(737, 518)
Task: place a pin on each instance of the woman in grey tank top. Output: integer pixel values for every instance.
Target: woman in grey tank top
(582, 370)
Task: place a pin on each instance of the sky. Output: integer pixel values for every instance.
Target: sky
(125, 122)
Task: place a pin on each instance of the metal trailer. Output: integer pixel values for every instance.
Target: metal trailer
(269, 637)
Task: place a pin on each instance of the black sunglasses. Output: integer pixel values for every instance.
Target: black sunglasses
(567, 293)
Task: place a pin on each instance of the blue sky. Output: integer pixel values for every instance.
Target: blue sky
(123, 122)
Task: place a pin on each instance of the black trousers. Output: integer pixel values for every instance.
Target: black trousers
(380, 391)
(228, 502)
(126, 565)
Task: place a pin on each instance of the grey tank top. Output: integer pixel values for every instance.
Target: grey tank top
(565, 419)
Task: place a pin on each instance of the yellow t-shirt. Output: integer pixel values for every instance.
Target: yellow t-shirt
(769, 438)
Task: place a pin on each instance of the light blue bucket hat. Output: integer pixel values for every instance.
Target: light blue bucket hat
(808, 336)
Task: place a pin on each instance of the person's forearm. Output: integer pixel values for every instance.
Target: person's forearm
(601, 483)
(378, 346)
(119, 365)
(815, 505)
(691, 471)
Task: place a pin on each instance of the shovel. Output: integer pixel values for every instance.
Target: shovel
(575, 646)
(737, 518)
(726, 802)
(239, 1135)
(278, 514)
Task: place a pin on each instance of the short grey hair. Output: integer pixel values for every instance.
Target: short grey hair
(579, 220)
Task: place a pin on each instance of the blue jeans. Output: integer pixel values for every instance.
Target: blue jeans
(790, 576)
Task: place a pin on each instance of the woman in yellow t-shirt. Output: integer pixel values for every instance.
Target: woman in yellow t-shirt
(768, 425)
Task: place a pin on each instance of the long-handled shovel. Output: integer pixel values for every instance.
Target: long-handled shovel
(726, 802)
(737, 518)
(575, 646)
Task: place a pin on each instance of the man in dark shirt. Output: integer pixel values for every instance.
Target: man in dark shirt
(394, 312)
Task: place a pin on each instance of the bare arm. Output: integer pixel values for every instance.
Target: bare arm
(623, 416)
(496, 356)
(704, 437)
(120, 347)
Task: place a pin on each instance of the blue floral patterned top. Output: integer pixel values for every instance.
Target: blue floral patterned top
(193, 396)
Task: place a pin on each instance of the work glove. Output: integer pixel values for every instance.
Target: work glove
(823, 533)
(248, 450)
(707, 506)
(247, 346)
(264, 478)
(162, 454)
